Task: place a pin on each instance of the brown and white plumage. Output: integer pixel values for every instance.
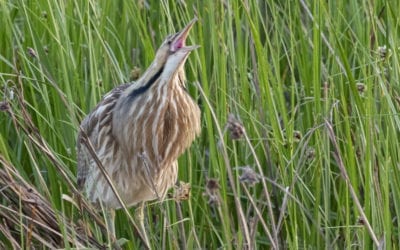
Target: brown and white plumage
(139, 130)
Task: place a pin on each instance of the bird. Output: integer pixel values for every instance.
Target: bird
(138, 131)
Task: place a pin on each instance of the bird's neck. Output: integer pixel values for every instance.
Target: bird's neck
(156, 76)
(153, 73)
(154, 84)
(162, 75)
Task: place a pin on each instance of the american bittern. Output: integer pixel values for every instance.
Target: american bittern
(138, 131)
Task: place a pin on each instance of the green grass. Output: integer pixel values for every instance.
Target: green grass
(314, 86)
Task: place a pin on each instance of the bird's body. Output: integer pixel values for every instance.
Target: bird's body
(140, 157)
(139, 130)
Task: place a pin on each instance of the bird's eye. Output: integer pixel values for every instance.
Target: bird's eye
(171, 38)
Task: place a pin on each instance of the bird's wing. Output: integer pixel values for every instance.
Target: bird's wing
(83, 155)
(90, 126)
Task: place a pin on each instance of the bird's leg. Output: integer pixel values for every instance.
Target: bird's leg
(140, 218)
(110, 221)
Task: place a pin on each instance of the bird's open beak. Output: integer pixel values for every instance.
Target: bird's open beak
(180, 39)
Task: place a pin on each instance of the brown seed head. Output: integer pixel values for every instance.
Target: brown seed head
(182, 191)
(235, 127)
(361, 87)
(212, 192)
(297, 135)
(4, 106)
(32, 52)
(249, 176)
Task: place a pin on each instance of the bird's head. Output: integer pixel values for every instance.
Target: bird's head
(173, 51)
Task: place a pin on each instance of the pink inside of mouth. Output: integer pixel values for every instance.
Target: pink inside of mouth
(178, 44)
